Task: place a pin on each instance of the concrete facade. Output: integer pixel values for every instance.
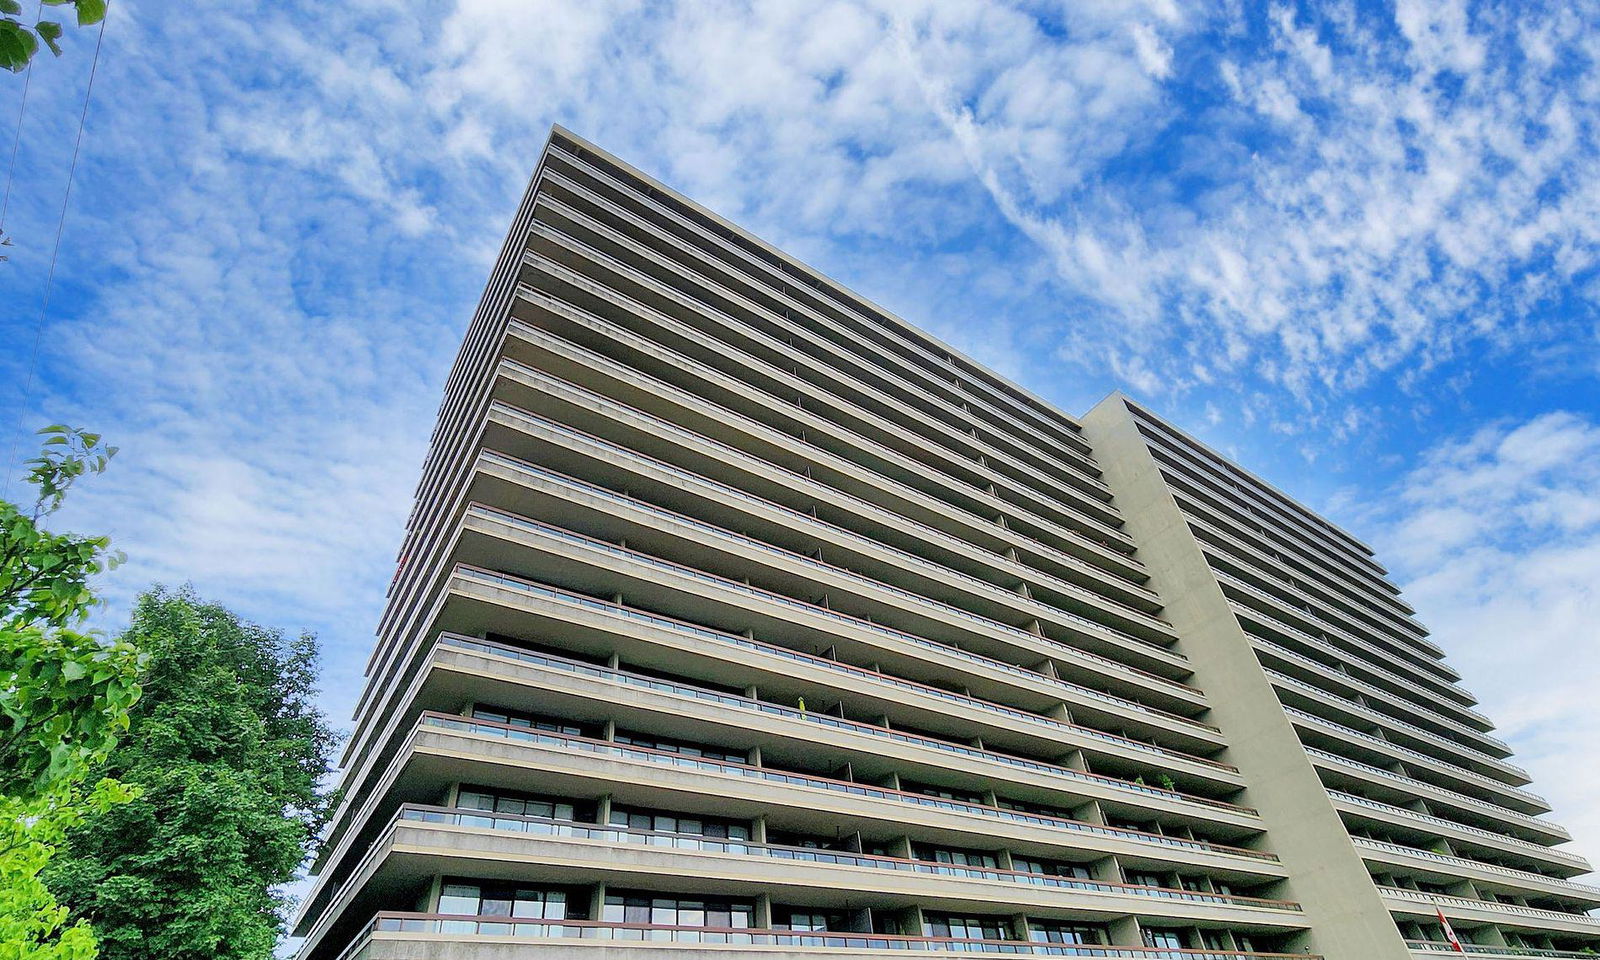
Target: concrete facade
(737, 616)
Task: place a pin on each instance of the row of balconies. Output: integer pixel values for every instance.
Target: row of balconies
(1255, 497)
(1487, 877)
(633, 271)
(1401, 789)
(925, 618)
(933, 587)
(1330, 588)
(1374, 670)
(1066, 556)
(969, 387)
(1346, 686)
(1429, 828)
(1437, 677)
(1267, 583)
(621, 223)
(1315, 699)
(1319, 731)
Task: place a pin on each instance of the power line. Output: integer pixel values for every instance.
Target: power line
(50, 277)
(16, 138)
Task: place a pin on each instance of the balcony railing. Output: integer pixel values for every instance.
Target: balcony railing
(681, 626)
(1494, 906)
(1474, 949)
(552, 662)
(1384, 719)
(707, 936)
(547, 826)
(1393, 810)
(1491, 809)
(935, 570)
(1345, 656)
(813, 609)
(569, 743)
(1370, 690)
(936, 374)
(1459, 772)
(1380, 656)
(1523, 878)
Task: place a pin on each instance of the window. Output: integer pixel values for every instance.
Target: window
(1076, 871)
(490, 899)
(529, 721)
(811, 841)
(1045, 932)
(476, 798)
(716, 912)
(943, 793)
(681, 746)
(1145, 880)
(1154, 937)
(964, 928)
(807, 920)
(664, 822)
(956, 856)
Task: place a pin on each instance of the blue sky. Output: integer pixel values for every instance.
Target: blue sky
(1353, 245)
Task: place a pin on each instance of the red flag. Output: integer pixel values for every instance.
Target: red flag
(1449, 931)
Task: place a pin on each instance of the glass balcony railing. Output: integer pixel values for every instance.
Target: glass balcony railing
(566, 743)
(745, 703)
(550, 827)
(438, 923)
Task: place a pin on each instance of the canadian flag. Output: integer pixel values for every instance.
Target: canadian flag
(1449, 932)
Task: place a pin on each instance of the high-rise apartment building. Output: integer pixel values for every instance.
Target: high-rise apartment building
(735, 615)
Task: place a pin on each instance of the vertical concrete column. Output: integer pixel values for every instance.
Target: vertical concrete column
(1347, 918)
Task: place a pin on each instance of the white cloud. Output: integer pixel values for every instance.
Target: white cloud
(1497, 536)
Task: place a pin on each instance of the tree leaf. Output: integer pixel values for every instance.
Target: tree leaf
(91, 11)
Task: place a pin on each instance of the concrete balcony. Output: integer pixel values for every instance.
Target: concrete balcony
(1348, 687)
(1432, 949)
(1397, 789)
(1064, 578)
(487, 601)
(786, 735)
(952, 390)
(1325, 734)
(400, 936)
(799, 536)
(1331, 588)
(1425, 828)
(1466, 914)
(501, 541)
(1371, 672)
(425, 841)
(1313, 699)
(1489, 878)
(1437, 675)
(829, 370)
(629, 288)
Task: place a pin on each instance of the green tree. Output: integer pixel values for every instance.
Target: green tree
(229, 753)
(19, 41)
(64, 698)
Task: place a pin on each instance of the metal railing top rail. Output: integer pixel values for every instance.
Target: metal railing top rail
(444, 923)
(554, 826)
(588, 744)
